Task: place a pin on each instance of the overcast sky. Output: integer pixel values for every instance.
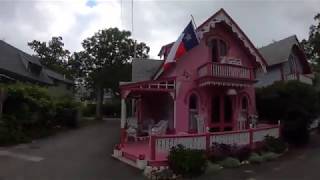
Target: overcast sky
(156, 22)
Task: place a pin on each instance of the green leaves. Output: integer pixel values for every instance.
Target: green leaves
(106, 58)
(53, 55)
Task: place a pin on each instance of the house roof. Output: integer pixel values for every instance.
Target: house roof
(58, 76)
(144, 69)
(223, 16)
(279, 51)
(15, 62)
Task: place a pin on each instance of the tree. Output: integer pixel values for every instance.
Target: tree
(106, 60)
(312, 44)
(53, 55)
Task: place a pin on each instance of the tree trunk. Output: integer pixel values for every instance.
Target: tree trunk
(99, 95)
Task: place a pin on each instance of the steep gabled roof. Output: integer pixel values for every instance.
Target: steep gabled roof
(15, 62)
(222, 16)
(144, 69)
(279, 51)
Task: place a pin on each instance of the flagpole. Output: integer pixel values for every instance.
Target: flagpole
(194, 23)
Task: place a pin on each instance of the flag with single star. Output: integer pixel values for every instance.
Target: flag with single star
(186, 41)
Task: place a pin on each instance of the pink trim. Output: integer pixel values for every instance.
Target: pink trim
(152, 147)
(126, 86)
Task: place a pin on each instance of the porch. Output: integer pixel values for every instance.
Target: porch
(154, 150)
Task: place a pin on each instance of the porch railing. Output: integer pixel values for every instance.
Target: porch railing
(225, 71)
(163, 144)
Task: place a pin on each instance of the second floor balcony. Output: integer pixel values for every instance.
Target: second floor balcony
(225, 74)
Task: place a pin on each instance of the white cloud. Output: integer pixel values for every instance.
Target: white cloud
(155, 22)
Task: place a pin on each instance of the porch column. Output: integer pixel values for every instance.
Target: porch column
(123, 119)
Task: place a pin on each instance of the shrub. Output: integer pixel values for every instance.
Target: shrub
(67, 113)
(221, 151)
(255, 158)
(269, 156)
(187, 162)
(213, 167)
(275, 145)
(295, 103)
(11, 132)
(242, 153)
(30, 112)
(230, 162)
(89, 110)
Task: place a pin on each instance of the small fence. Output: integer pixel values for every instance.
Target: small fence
(163, 144)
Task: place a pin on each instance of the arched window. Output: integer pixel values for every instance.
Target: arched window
(244, 103)
(218, 49)
(193, 102)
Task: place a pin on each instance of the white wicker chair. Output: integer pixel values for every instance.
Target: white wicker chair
(132, 130)
(160, 128)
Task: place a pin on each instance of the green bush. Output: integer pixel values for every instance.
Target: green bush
(213, 167)
(11, 132)
(67, 113)
(89, 110)
(112, 109)
(230, 162)
(269, 156)
(187, 162)
(275, 145)
(109, 109)
(30, 112)
(255, 158)
(295, 103)
(221, 151)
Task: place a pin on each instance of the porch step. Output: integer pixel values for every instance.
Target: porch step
(127, 161)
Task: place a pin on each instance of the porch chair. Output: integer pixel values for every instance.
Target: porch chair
(160, 128)
(132, 130)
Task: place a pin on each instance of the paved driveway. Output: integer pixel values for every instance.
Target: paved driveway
(84, 154)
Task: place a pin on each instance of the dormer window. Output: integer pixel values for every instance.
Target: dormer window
(34, 68)
(218, 49)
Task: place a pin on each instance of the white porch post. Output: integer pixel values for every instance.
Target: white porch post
(123, 120)
(123, 112)
(174, 114)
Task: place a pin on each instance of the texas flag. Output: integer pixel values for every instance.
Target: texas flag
(186, 41)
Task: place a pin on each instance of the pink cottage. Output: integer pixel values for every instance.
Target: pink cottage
(206, 97)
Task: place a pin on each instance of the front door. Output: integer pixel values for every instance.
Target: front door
(221, 113)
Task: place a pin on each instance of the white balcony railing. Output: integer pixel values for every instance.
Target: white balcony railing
(228, 71)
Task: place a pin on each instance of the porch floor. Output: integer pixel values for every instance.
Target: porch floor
(132, 150)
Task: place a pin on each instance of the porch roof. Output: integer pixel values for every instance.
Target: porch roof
(162, 85)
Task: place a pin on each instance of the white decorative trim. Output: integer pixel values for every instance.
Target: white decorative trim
(221, 17)
(218, 83)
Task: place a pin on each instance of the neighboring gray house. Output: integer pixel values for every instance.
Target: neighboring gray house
(18, 66)
(144, 69)
(62, 86)
(286, 61)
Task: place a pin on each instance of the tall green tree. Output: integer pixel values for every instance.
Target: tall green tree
(106, 60)
(312, 49)
(312, 44)
(52, 54)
